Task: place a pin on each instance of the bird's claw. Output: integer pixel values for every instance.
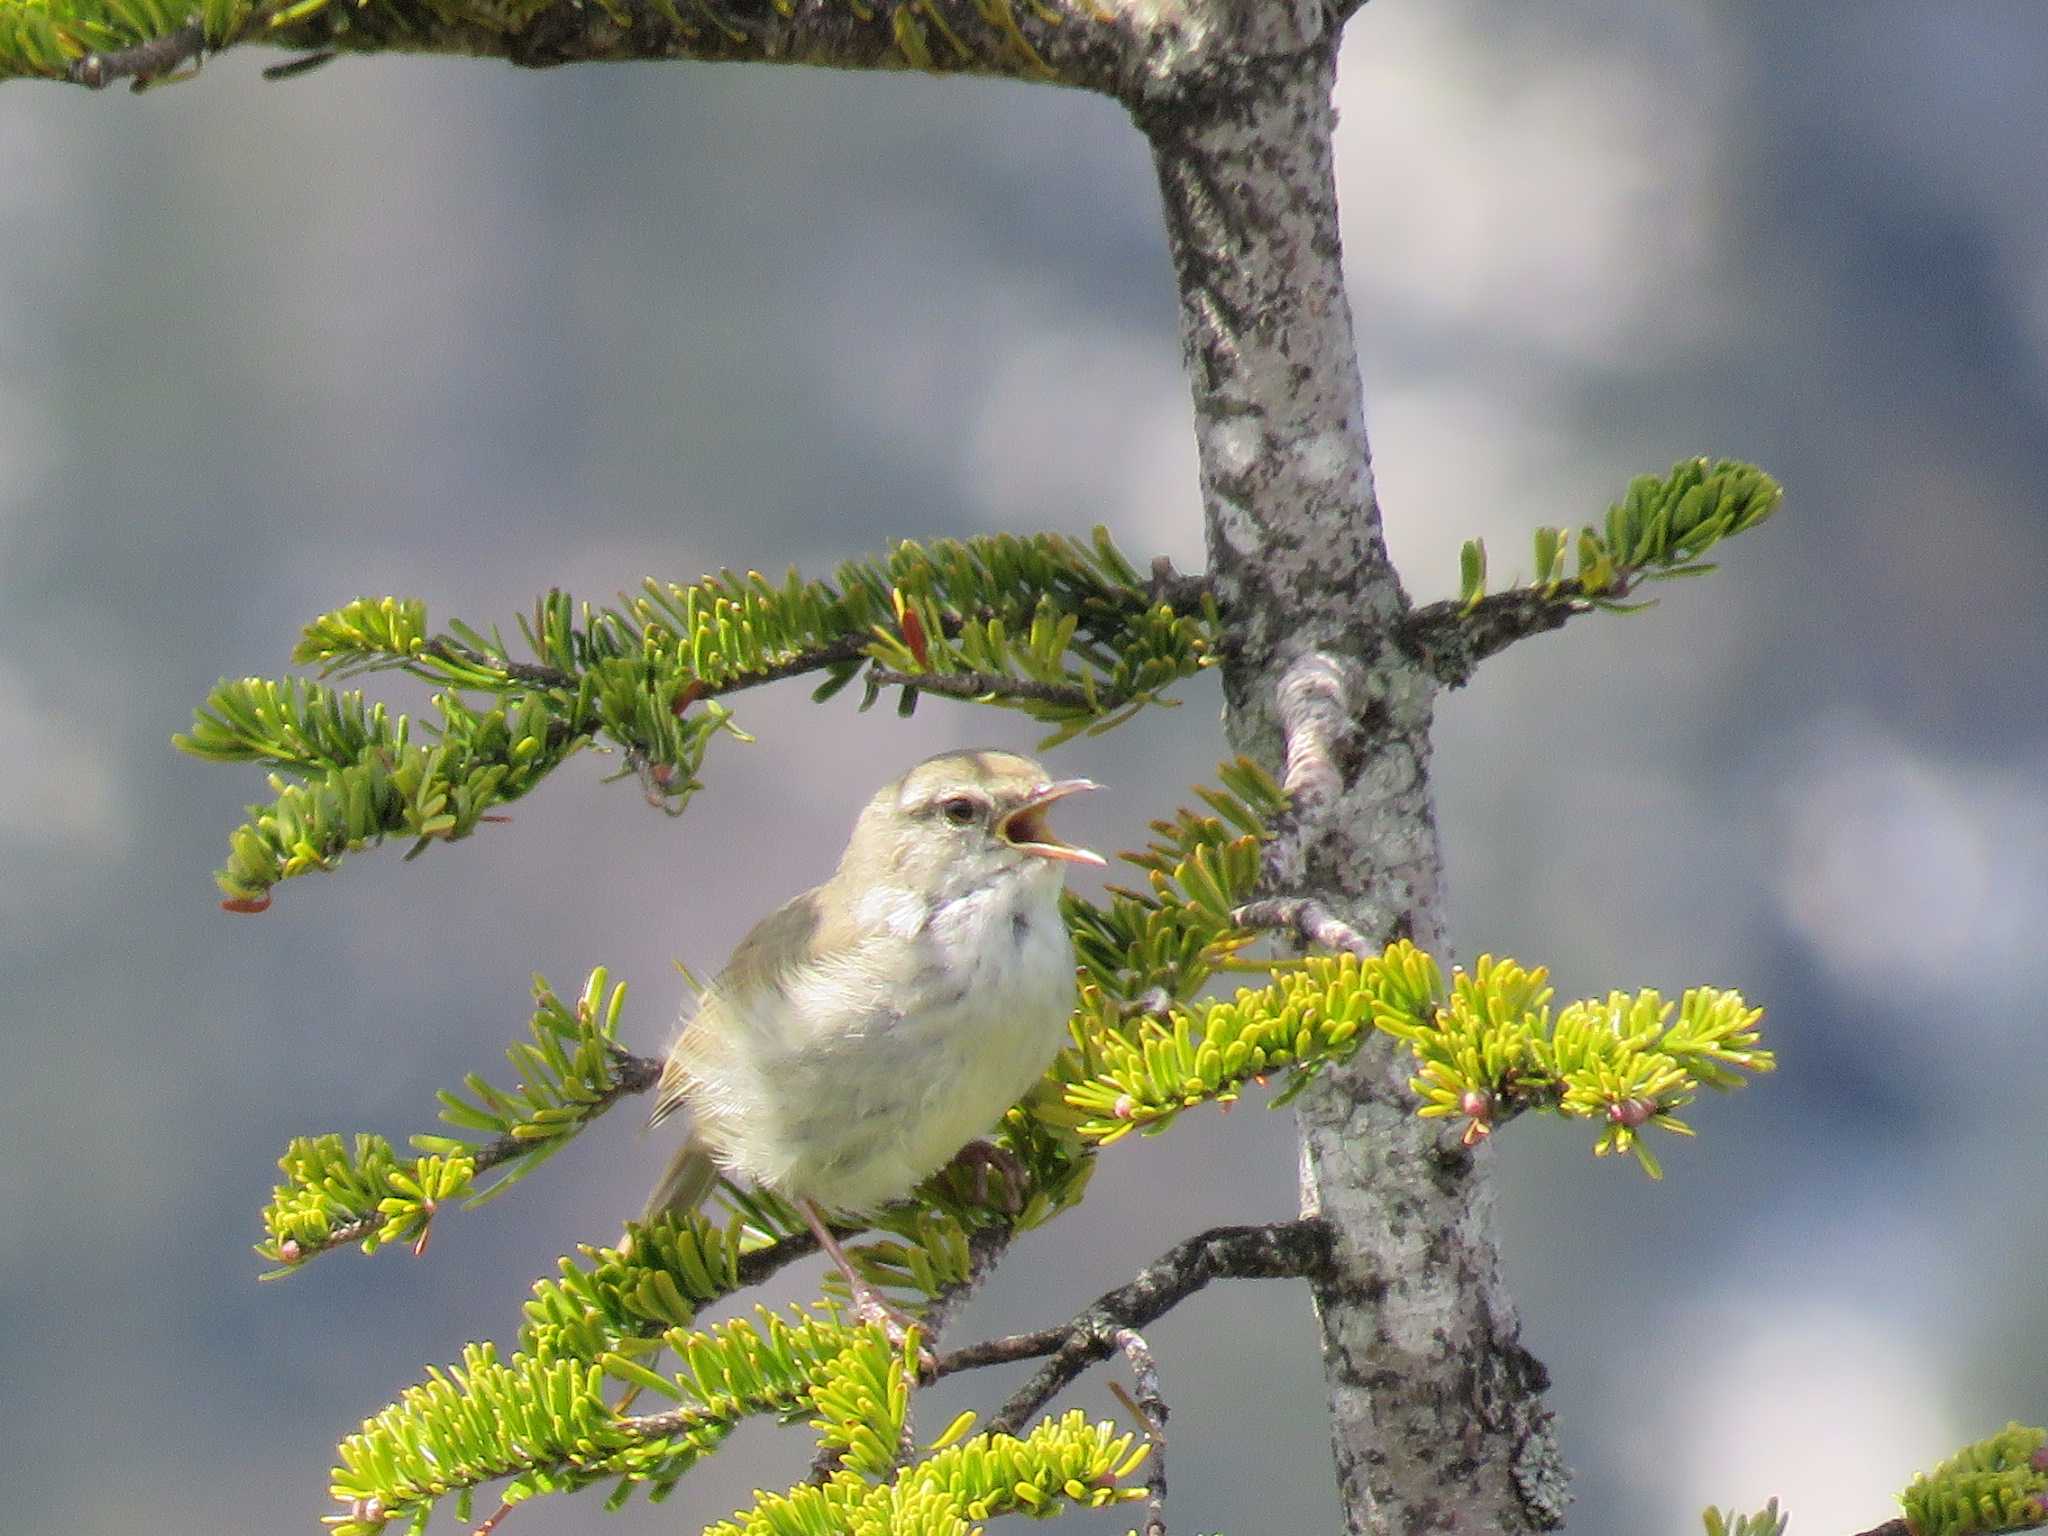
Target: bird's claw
(981, 1156)
(870, 1307)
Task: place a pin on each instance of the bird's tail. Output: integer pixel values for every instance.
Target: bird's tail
(684, 1184)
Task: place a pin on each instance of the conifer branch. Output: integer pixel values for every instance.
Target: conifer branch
(1146, 1047)
(838, 653)
(533, 674)
(1284, 1250)
(570, 1072)
(1307, 919)
(986, 1249)
(991, 685)
(1768, 1521)
(1997, 1484)
(1451, 637)
(1101, 45)
(1147, 1406)
(140, 62)
(961, 1485)
(1065, 631)
(636, 1074)
(1659, 531)
(1176, 590)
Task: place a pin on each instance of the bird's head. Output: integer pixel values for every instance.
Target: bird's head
(962, 818)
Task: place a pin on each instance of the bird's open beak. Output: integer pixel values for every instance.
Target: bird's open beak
(1025, 827)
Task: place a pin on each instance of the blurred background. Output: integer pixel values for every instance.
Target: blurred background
(450, 330)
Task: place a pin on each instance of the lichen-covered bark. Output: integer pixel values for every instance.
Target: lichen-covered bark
(1117, 47)
(1438, 1423)
(1059, 44)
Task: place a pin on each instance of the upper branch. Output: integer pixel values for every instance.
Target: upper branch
(1065, 631)
(1118, 47)
(987, 685)
(1060, 42)
(141, 62)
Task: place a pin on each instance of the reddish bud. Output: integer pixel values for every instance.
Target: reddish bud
(1124, 1107)
(257, 903)
(1630, 1112)
(914, 637)
(1477, 1104)
(290, 1251)
(2039, 1460)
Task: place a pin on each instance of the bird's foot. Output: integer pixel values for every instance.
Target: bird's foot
(981, 1156)
(869, 1306)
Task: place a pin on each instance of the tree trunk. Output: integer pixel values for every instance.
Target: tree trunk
(1437, 1419)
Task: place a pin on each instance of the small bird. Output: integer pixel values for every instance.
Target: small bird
(868, 1031)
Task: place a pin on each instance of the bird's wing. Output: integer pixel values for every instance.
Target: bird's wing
(785, 940)
(683, 1184)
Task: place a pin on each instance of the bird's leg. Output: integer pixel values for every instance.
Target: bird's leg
(868, 1303)
(981, 1156)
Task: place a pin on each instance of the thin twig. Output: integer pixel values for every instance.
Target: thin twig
(1286, 1250)
(985, 1249)
(839, 652)
(636, 1074)
(143, 62)
(1152, 1003)
(1179, 592)
(1315, 923)
(981, 685)
(1149, 1408)
(538, 674)
(848, 648)
(304, 64)
(1451, 638)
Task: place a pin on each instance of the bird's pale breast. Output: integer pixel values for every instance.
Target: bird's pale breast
(851, 1101)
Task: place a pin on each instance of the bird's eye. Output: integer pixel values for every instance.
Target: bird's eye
(960, 810)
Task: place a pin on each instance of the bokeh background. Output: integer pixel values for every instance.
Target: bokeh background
(451, 330)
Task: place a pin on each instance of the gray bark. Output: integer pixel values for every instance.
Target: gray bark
(1436, 1416)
